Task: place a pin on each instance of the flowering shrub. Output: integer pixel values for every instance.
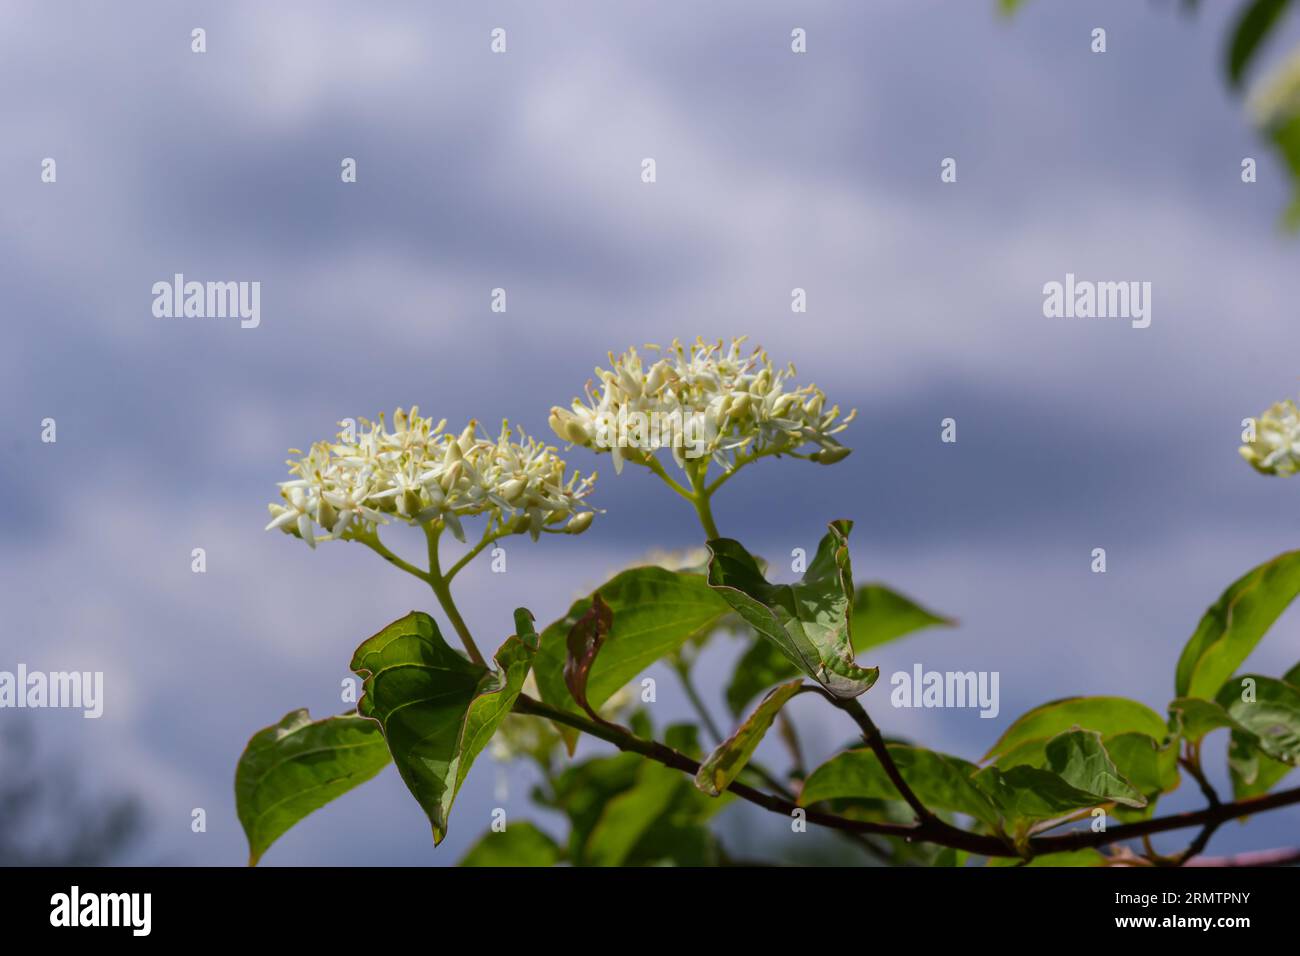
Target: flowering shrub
(431, 709)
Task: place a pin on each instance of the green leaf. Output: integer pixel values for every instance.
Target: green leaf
(627, 817)
(582, 790)
(942, 782)
(1078, 774)
(1276, 108)
(1080, 759)
(950, 857)
(1272, 716)
(810, 622)
(519, 844)
(731, 756)
(670, 842)
(880, 615)
(762, 666)
(655, 611)
(437, 709)
(1106, 715)
(680, 835)
(1252, 28)
(625, 810)
(1067, 858)
(1025, 794)
(1140, 760)
(1253, 773)
(1235, 623)
(1193, 717)
(299, 765)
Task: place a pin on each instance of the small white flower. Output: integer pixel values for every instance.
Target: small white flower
(1276, 448)
(418, 473)
(705, 400)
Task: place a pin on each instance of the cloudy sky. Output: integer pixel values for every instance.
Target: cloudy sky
(522, 171)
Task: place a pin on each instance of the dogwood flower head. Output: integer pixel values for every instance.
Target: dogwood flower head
(418, 473)
(703, 400)
(1276, 448)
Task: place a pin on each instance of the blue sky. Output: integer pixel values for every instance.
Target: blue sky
(522, 171)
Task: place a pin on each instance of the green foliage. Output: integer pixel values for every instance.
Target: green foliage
(1105, 715)
(1277, 112)
(1069, 858)
(1253, 773)
(626, 811)
(1257, 19)
(1270, 715)
(1150, 766)
(519, 844)
(654, 612)
(762, 666)
(1192, 718)
(1255, 768)
(809, 622)
(1261, 750)
(941, 781)
(437, 709)
(1234, 624)
(731, 756)
(299, 765)
(431, 710)
(1078, 775)
(880, 615)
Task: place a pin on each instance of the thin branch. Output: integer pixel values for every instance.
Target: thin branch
(489, 536)
(442, 591)
(654, 465)
(1194, 769)
(871, 734)
(757, 769)
(374, 544)
(683, 670)
(933, 830)
(1193, 766)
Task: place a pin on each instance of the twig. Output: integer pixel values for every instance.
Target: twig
(932, 830)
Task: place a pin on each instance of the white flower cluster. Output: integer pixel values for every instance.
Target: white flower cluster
(1276, 448)
(418, 473)
(705, 400)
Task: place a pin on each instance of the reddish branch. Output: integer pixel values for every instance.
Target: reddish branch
(928, 828)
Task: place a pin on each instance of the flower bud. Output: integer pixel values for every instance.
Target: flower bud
(512, 489)
(452, 475)
(326, 515)
(829, 456)
(579, 523)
